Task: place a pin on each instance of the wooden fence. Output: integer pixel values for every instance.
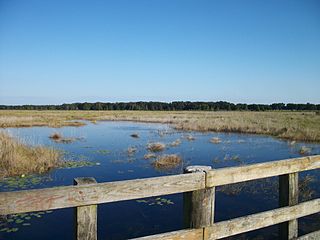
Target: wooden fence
(198, 185)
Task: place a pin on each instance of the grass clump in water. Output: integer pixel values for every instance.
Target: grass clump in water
(215, 140)
(175, 143)
(167, 162)
(58, 138)
(55, 136)
(156, 147)
(131, 150)
(77, 164)
(190, 137)
(149, 156)
(134, 135)
(304, 150)
(17, 158)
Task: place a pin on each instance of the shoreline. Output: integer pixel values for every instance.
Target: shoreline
(295, 126)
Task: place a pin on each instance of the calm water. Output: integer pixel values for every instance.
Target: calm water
(105, 145)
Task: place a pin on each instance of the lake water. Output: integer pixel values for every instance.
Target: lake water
(105, 145)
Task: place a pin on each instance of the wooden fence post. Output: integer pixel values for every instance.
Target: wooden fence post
(288, 196)
(86, 216)
(199, 204)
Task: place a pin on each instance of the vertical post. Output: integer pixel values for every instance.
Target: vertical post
(86, 216)
(288, 196)
(199, 204)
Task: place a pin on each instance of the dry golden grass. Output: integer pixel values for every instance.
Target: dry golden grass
(156, 147)
(215, 140)
(175, 143)
(131, 150)
(149, 156)
(58, 138)
(16, 158)
(190, 137)
(167, 162)
(55, 136)
(302, 126)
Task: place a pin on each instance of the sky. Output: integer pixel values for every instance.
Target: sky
(54, 52)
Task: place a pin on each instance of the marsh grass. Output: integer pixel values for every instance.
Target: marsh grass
(215, 140)
(293, 125)
(156, 147)
(17, 158)
(58, 138)
(175, 143)
(190, 137)
(304, 150)
(131, 150)
(55, 136)
(165, 162)
(149, 156)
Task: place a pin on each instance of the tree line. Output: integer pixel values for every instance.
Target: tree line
(172, 106)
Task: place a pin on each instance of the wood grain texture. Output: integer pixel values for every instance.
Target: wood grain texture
(260, 220)
(198, 205)
(288, 196)
(188, 234)
(261, 170)
(74, 196)
(86, 216)
(311, 236)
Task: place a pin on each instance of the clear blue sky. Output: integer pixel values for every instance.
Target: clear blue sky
(258, 51)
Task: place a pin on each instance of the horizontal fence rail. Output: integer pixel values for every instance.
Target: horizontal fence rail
(198, 186)
(97, 193)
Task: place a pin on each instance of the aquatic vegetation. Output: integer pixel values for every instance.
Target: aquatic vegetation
(190, 137)
(17, 158)
(305, 191)
(304, 150)
(119, 161)
(14, 222)
(269, 187)
(156, 201)
(215, 140)
(131, 150)
(134, 135)
(216, 160)
(77, 164)
(149, 156)
(175, 143)
(58, 138)
(156, 147)
(167, 161)
(55, 136)
(102, 152)
(235, 158)
(23, 182)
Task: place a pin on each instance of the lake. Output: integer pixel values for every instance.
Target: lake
(102, 152)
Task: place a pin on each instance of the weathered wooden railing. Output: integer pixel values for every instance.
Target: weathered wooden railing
(198, 186)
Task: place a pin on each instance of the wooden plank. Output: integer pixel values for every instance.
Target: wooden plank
(311, 236)
(74, 196)
(188, 234)
(86, 216)
(261, 170)
(288, 196)
(260, 220)
(198, 205)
